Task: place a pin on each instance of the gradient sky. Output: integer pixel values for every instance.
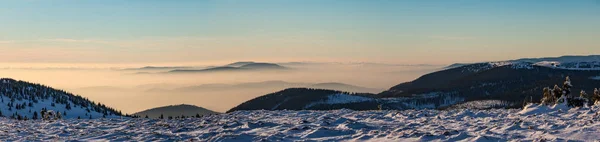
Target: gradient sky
(390, 31)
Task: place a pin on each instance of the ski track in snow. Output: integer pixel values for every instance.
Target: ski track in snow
(336, 125)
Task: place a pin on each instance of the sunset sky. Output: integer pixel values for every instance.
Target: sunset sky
(388, 31)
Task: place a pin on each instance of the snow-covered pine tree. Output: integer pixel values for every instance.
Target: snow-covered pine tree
(567, 87)
(583, 96)
(557, 91)
(572, 100)
(548, 97)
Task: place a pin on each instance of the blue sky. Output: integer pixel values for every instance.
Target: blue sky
(394, 31)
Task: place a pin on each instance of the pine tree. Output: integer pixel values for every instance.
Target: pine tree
(161, 116)
(567, 87)
(558, 93)
(584, 97)
(35, 115)
(146, 117)
(197, 115)
(43, 112)
(68, 106)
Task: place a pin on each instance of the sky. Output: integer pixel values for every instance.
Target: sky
(385, 31)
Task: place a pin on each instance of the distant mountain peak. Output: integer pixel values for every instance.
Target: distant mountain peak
(243, 66)
(176, 110)
(262, 66)
(239, 64)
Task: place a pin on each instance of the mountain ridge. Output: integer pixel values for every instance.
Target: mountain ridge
(175, 111)
(245, 66)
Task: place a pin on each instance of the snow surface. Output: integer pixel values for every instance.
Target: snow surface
(595, 77)
(535, 123)
(341, 99)
(482, 104)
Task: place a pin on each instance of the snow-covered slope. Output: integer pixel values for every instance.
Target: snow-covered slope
(508, 81)
(591, 62)
(579, 124)
(27, 99)
(340, 99)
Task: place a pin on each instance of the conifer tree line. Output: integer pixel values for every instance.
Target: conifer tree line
(564, 94)
(28, 94)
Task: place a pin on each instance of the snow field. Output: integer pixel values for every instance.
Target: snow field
(535, 123)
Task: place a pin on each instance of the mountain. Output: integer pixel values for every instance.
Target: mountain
(215, 69)
(26, 99)
(159, 68)
(507, 81)
(239, 64)
(455, 65)
(243, 66)
(344, 87)
(257, 66)
(175, 110)
(304, 98)
(502, 84)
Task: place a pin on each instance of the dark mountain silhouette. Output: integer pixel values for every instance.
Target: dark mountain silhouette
(239, 64)
(304, 98)
(511, 82)
(159, 68)
(175, 111)
(262, 66)
(215, 69)
(26, 100)
(344, 87)
(245, 66)
(455, 65)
